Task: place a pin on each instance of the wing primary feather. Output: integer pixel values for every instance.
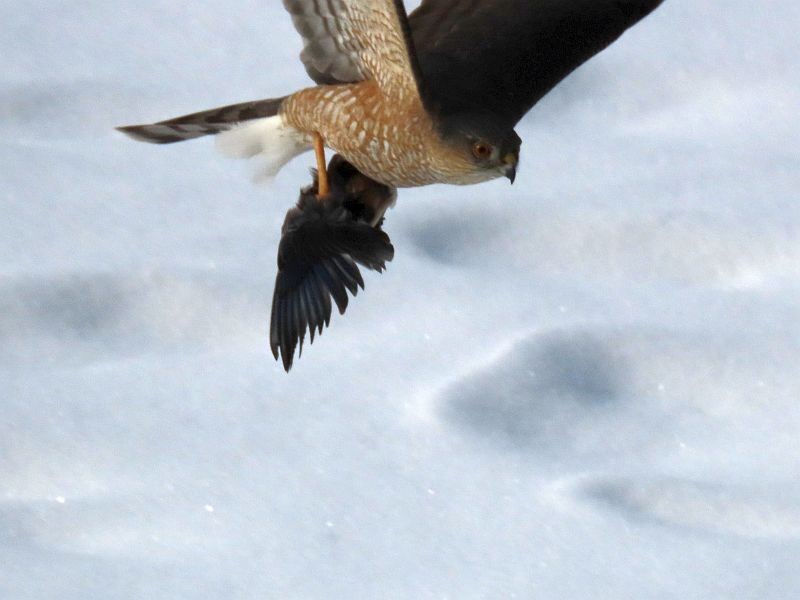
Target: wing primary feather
(284, 337)
(315, 294)
(311, 308)
(325, 297)
(300, 315)
(329, 274)
(289, 335)
(274, 326)
(342, 268)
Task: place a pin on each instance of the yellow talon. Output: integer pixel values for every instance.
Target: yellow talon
(322, 171)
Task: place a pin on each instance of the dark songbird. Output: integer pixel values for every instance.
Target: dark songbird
(323, 240)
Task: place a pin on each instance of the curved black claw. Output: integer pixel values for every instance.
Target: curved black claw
(322, 243)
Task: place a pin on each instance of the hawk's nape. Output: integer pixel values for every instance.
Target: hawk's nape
(322, 243)
(502, 56)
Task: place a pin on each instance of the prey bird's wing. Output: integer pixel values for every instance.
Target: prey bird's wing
(503, 56)
(322, 243)
(318, 257)
(347, 41)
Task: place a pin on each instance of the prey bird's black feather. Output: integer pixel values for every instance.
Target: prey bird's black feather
(322, 243)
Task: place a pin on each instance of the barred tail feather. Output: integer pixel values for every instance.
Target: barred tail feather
(208, 122)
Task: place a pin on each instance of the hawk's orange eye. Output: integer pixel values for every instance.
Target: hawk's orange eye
(481, 150)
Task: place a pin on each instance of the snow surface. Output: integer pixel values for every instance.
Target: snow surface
(582, 386)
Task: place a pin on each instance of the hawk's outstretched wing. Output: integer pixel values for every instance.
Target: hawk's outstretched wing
(352, 40)
(502, 56)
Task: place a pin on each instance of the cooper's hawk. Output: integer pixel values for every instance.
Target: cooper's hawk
(432, 97)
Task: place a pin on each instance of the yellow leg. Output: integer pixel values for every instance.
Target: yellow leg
(322, 170)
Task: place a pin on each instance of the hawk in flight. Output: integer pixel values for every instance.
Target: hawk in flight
(405, 100)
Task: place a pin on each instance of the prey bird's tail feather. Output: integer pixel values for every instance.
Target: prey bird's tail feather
(207, 122)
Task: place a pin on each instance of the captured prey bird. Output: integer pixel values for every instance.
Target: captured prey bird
(406, 100)
(323, 240)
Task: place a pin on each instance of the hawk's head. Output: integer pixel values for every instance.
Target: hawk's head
(487, 146)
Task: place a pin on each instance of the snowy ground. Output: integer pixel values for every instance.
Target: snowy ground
(582, 386)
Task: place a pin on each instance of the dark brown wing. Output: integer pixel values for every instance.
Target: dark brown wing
(322, 244)
(502, 56)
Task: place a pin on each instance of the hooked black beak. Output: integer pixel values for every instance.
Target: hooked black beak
(510, 166)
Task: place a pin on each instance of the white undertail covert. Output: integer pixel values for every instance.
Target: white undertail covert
(270, 140)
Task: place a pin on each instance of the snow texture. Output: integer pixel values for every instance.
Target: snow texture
(582, 386)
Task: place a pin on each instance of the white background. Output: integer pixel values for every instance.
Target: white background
(582, 386)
